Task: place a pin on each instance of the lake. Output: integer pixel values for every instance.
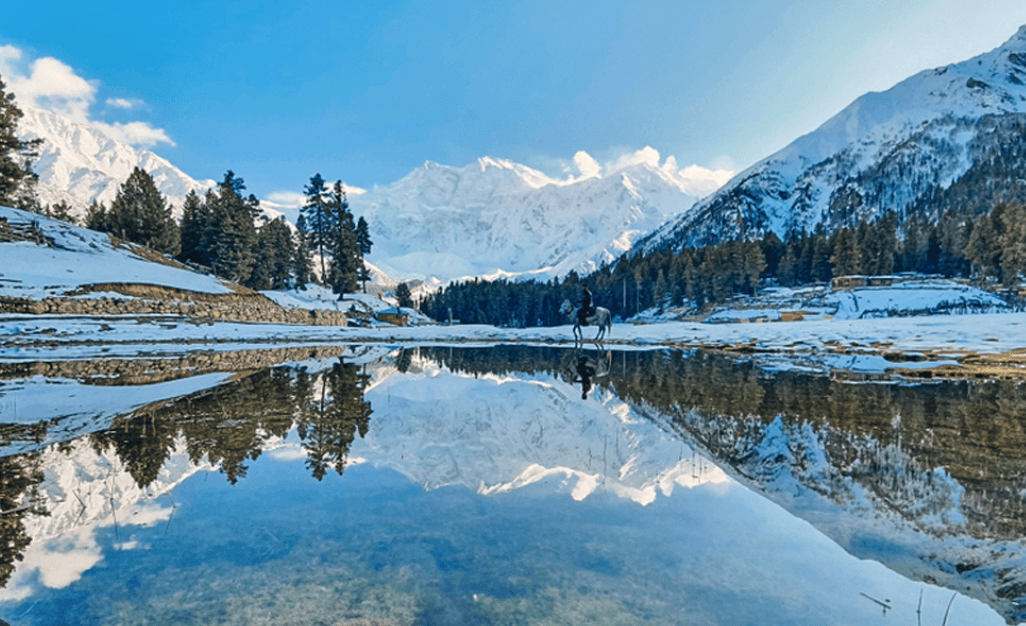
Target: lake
(369, 484)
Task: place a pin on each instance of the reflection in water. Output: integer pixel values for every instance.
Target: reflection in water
(925, 479)
(589, 367)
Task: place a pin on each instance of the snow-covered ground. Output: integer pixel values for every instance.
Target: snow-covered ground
(843, 323)
(80, 256)
(938, 338)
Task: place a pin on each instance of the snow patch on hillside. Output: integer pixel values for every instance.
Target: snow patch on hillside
(78, 257)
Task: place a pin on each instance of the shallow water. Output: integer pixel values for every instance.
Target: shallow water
(363, 485)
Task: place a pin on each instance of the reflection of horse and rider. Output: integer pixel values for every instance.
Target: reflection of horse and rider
(587, 314)
(590, 367)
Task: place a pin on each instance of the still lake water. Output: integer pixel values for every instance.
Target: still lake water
(505, 485)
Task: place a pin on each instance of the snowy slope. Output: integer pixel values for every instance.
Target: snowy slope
(79, 163)
(882, 152)
(80, 256)
(496, 216)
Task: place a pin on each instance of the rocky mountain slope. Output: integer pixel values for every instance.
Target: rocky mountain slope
(885, 151)
(495, 216)
(490, 217)
(80, 163)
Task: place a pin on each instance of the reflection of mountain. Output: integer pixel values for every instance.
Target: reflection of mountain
(494, 433)
(925, 479)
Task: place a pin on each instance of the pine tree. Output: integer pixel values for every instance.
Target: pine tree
(846, 254)
(96, 217)
(275, 252)
(820, 270)
(344, 249)
(140, 214)
(301, 258)
(363, 238)
(983, 250)
(363, 275)
(195, 230)
(233, 230)
(60, 211)
(787, 268)
(317, 222)
(17, 180)
(404, 296)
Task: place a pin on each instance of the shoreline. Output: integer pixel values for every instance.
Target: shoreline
(976, 346)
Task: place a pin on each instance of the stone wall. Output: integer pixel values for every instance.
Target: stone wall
(244, 306)
(140, 371)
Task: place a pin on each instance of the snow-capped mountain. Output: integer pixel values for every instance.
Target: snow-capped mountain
(79, 163)
(885, 151)
(495, 216)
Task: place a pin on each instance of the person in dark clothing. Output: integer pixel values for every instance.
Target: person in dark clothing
(586, 308)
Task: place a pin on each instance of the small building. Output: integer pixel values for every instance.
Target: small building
(394, 316)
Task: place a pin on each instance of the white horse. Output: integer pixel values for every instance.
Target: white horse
(600, 318)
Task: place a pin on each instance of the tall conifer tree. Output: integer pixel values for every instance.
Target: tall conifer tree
(140, 214)
(17, 180)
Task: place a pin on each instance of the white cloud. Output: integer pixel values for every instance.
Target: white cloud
(136, 133)
(51, 84)
(123, 103)
(586, 165)
(694, 179)
(284, 199)
(54, 86)
(647, 155)
(702, 181)
(9, 56)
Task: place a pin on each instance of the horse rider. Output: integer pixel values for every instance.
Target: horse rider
(586, 308)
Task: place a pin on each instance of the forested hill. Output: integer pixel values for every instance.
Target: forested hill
(897, 151)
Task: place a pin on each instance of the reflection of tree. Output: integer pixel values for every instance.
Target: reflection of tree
(232, 423)
(404, 360)
(975, 430)
(143, 442)
(328, 423)
(228, 425)
(17, 493)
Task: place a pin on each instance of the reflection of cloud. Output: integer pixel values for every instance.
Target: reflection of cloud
(50, 84)
(288, 452)
(57, 562)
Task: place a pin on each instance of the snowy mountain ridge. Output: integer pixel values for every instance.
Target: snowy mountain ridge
(491, 217)
(79, 163)
(497, 217)
(882, 152)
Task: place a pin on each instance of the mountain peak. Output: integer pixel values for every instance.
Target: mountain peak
(81, 162)
(884, 151)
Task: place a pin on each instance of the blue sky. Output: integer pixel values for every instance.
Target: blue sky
(365, 91)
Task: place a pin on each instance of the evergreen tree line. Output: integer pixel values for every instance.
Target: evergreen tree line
(990, 248)
(223, 230)
(219, 230)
